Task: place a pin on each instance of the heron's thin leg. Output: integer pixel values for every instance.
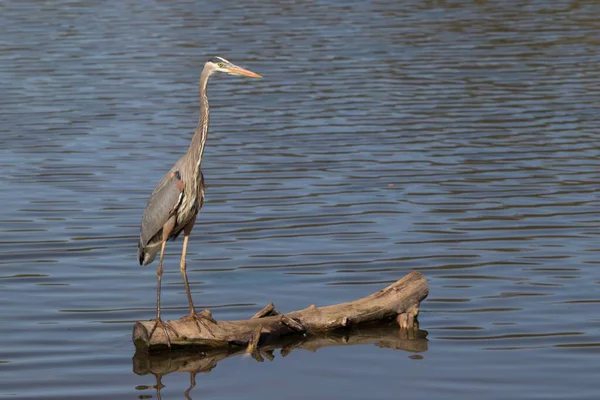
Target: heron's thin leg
(159, 271)
(182, 265)
(198, 318)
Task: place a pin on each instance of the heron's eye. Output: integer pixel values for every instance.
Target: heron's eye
(220, 65)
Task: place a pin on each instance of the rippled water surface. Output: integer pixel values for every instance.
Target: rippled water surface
(460, 139)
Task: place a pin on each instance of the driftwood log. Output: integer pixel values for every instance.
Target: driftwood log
(398, 302)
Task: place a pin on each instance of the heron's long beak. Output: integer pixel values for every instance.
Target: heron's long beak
(235, 70)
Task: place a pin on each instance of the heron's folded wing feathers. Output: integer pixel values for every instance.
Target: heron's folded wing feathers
(163, 202)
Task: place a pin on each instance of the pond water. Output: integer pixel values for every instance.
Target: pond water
(459, 139)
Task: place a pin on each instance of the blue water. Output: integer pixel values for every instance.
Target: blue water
(456, 138)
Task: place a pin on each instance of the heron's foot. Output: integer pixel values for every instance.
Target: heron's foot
(202, 320)
(159, 323)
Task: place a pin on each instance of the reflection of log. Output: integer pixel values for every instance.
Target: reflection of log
(387, 336)
(399, 301)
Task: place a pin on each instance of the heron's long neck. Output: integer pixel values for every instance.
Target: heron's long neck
(196, 149)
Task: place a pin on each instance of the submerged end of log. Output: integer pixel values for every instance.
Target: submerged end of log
(400, 302)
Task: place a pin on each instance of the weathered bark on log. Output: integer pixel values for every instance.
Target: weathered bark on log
(399, 301)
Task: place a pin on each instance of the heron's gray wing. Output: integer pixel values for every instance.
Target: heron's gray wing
(163, 203)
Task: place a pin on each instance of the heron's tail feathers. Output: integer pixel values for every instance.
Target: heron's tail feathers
(147, 254)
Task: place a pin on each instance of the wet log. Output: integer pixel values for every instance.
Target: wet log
(399, 302)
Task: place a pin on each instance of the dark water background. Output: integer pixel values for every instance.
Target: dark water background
(457, 138)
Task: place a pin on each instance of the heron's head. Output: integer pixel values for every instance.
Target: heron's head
(219, 64)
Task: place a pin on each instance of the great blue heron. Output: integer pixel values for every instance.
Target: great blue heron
(178, 197)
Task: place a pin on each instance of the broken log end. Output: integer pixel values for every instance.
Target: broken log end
(408, 319)
(140, 336)
(266, 311)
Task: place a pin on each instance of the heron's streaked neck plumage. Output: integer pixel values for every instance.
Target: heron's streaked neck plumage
(196, 149)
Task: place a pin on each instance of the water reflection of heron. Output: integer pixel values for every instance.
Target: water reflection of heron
(178, 197)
